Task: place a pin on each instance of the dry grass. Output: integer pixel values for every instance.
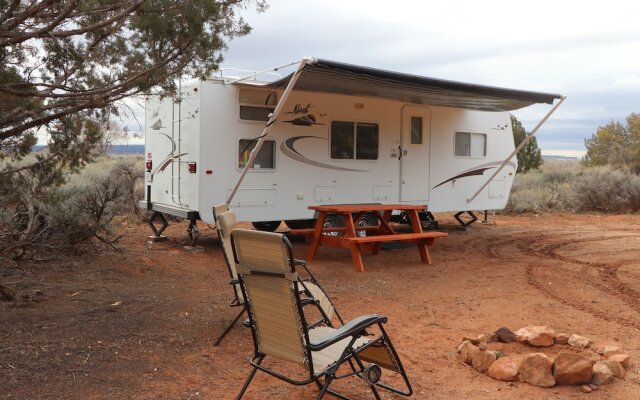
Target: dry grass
(567, 186)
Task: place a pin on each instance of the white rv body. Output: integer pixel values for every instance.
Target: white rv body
(207, 130)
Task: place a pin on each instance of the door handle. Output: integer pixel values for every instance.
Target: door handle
(399, 152)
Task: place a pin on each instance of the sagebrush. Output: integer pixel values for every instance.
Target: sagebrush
(567, 186)
(45, 210)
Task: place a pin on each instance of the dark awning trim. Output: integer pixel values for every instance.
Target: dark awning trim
(326, 76)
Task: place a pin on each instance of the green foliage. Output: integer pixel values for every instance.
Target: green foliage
(529, 157)
(567, 186)
(64, 64)
(616, 145)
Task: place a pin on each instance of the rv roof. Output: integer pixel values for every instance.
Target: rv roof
(334, 77)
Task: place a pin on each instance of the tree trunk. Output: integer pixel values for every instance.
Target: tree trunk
(6, 294)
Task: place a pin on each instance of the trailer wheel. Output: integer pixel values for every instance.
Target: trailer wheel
(365, 220)
(266, 226)
(332, 221)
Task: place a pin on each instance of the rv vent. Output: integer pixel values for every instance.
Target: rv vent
(325, 194)
(381, 192)
(497, 189)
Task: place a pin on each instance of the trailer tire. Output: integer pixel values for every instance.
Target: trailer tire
(266, 226)
(333, 221)
(365, 220)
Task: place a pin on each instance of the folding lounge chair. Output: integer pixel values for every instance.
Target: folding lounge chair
(225, 220)
(271, 288)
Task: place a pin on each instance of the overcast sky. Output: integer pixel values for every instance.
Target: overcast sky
(587, 51)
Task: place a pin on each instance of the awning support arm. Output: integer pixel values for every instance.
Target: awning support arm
(256, 73)
(272, 120)
(522, 144)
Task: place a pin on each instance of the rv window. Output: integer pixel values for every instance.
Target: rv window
(354, 140)
(342, 140)
(463, 144)
(469, 144)
(266, 158)
(478, 145)
(256, 105)
(366, 141)
(252, 113)
(416, 130)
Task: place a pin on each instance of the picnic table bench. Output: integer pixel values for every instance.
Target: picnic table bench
(375, 235)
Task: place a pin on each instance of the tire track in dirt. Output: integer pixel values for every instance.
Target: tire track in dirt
(577, 305)
(607, 272)
(544, 246)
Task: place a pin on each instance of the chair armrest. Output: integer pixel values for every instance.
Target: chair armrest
(353, 328)
(307, 301)
(299, 262)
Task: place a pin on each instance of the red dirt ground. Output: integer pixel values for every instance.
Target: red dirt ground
(141, 323)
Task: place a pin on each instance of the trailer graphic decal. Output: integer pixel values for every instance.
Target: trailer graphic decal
(165, 163)
(479, 170)
(287, 149)
(302, 116)
(172, 156)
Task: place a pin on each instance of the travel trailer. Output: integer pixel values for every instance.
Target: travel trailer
(329, 133)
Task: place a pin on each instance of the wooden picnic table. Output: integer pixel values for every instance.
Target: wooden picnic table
(375, 236)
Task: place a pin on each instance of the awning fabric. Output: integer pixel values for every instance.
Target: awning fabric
(324, 76)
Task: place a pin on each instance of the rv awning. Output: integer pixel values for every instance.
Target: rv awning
(326, 76)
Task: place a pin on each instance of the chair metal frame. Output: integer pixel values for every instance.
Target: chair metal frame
(354, 330)
(237, 301)
(310, 278)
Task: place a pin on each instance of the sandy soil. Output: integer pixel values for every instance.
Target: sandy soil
(141, 323)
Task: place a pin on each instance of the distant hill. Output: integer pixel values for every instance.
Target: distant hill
(115, 150)
(559, 158)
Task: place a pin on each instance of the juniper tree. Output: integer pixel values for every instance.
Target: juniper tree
(65, 65)
(529, 157)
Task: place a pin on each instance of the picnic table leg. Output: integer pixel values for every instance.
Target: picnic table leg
(422, 245)
(384, 229)
(350, 231)
(317, 235)
(356, 256)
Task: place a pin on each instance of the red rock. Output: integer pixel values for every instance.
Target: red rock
(562, 338)
(586, 389)
(472, 340)
(467, 351)
(482, 360)
(504, 369)
(616, 368)
(487, 338)
(540, 336)
(601, 374)
(535, 369)
(579, 342)
(572, 369)
(621, 358)
(609, 351)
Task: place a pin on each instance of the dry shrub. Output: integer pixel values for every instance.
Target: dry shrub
(566, 186)
(130, 173)
(529, 193)
(607, 190)
(40, 216)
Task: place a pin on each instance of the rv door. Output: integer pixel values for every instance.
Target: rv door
(414, 153)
